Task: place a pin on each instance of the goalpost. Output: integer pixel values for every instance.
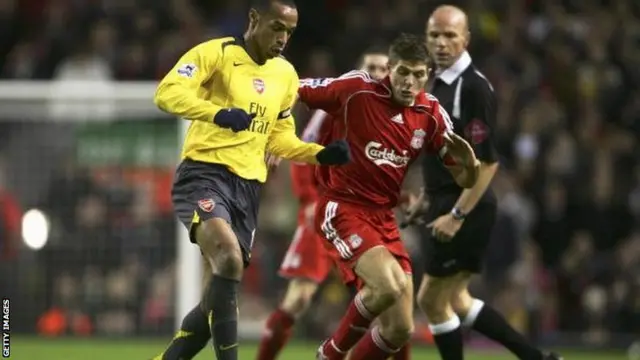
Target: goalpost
(76, 102)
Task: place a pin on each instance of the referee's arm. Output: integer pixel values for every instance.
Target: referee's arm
(479, 111)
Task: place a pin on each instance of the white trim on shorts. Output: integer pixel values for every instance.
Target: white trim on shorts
(330, 232)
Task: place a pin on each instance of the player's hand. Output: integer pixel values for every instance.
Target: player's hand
(234, 119)
(414, 208)
(445, 227)
(336, 153)
(460, 150)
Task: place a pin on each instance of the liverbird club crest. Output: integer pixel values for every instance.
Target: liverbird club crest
(418, 139)
(258, 84)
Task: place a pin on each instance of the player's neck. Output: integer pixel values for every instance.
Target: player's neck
(401, 103)
(251, 49)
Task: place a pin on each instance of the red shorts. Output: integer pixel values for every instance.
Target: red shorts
(350, 230)
(306, 257)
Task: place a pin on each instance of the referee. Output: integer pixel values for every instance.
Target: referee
(460, 220)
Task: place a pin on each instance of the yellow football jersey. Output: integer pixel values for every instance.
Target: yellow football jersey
(219, 74)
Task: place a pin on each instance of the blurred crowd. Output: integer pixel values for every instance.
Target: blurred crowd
(566, 250)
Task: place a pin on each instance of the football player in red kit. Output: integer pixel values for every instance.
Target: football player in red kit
(307, 263)
(387, 124)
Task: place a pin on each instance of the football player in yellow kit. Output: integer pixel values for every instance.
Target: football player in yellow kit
(238, 93)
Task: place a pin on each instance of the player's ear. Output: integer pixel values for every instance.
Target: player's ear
(254, 18)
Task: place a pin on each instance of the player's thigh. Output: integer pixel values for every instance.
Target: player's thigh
(398, 319)
(202, 199)
(220, 246)
(358, 246)
(246, 203)
(207, 271)
(381, 272)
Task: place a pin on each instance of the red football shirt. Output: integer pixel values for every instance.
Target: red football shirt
(384, 137)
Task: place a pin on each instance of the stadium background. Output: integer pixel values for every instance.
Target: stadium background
(565, 260)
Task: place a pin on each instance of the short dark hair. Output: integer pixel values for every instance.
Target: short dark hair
(409, 47)
(262, 5)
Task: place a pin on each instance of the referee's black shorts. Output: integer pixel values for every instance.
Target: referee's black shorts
(202, 191)
(465, 252)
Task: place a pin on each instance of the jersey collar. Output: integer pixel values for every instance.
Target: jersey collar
(421, 102)
(239, 39)
(450, 74)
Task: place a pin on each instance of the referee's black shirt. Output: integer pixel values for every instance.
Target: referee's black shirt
(470, 101)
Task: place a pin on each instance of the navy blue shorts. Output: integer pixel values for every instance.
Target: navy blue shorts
(465, 252)
(202, 191)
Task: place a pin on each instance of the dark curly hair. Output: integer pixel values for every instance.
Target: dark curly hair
(409, 47)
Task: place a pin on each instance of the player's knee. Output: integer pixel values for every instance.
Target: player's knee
(230, 263)
(298, 297)
(383, 276)
(461, 301)
(220, 247)
(398, 332)
(390, 290)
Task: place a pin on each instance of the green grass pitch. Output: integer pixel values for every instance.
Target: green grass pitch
(95, 349)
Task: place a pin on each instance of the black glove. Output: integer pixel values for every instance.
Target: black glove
(336, 153)
(234, 119)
